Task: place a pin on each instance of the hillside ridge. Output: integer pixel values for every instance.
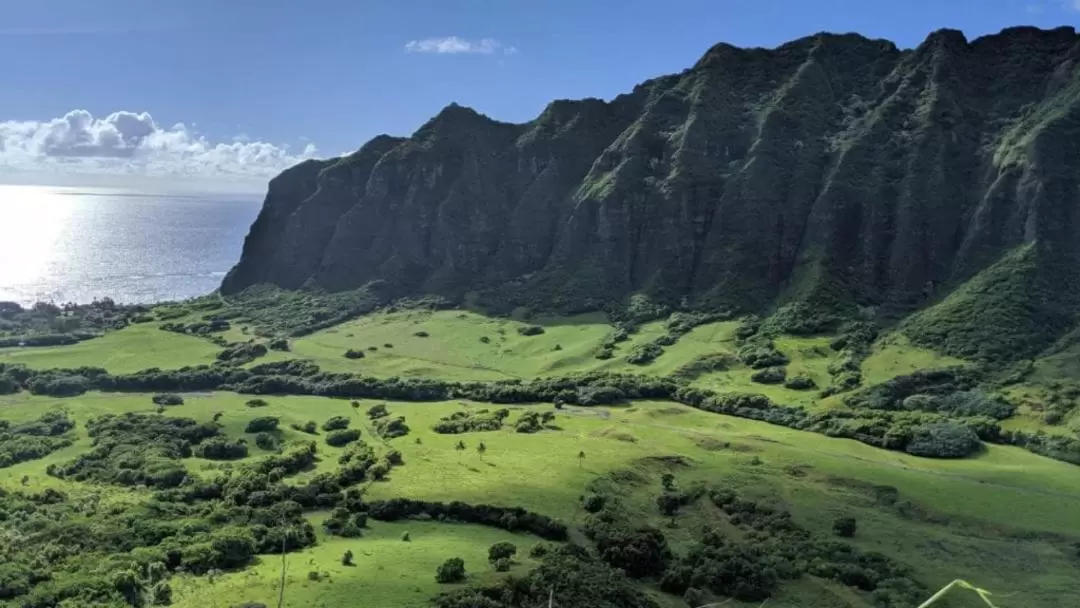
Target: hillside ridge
(834, 170)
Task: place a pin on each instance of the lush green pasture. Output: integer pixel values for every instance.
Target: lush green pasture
(462, 345)
(894, 355)
(127, 350)
(386, 570)
(976, 518)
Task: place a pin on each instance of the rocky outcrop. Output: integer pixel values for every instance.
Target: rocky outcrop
(833, 169)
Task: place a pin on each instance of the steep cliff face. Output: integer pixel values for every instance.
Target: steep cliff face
(833, 169)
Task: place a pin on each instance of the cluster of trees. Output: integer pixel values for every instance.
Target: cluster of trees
(242, 353)
(202, 327)
(342, 437)
(533, 422)
(389, 428)
(139, 449)
(769, 375)
(34, 439)
(512, 519)
(51, 324)
(471, 421)
(760, 352)
(530, 330)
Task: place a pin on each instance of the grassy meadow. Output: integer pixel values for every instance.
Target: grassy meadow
(131, 349)
(989, 519)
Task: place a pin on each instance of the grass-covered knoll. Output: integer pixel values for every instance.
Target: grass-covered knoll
(894, 355)
(973, 518)
(126, 350)
(464, 345)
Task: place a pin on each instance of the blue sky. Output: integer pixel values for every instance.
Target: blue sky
(254, 83)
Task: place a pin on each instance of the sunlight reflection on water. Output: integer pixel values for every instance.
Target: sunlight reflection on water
(72, 244)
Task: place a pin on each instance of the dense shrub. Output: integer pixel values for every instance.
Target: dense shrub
(167, 399)
(501, 550)
(530, 330)
(421, 334)
(644, 354)
(944, 440)
(799, 382)
(451, 571)
(220, 448)
(278, 344)
(844, 526)
(760, 353)
(389, 428)
(244, 352)
(335, 423)
(342, 437)
(266, 441)
(510, 519)
(469, 421)
(769, 375)
(263, 424)
(256, 403)
(354, 354)
(377, 411)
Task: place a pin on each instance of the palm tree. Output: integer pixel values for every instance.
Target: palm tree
(480, 449)
(580, 458)
(460, 447)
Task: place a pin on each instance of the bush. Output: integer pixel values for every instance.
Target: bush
(760, 353)
(421, 334)
(502, 565)
(256, 403)
(167, 399)
(769, 375)
(266, 441)
(539, 550)
(354, 354)
(377, 411)
(644, 354)
(279, 344)
(944, 440)
(347, 558)
(336, 423)
(452, 571)
(220, 448)
(264, 424)
(844, 526)
(501, 550)
(389, 428)
(800, 382)
(530, 330)
(342, 437)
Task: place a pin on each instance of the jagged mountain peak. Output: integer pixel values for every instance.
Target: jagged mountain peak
(835, 170)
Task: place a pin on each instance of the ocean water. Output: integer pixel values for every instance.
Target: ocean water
(77, 244)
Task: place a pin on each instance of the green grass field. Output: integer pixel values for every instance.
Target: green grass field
(982, 519)
(454, 348)
(131, 349)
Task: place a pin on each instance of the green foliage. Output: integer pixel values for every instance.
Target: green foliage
(266, 441)
(501, 550)
(944, 440)
(389, 428)
(1008, 312)
(335, 423)
(451, 571)
(644, 354)
(167, 399)
(470, 421)
(800, 382)
(769, 375)
(530, 330)
(242, 353)
(377, 411)
(342, 437)
(354, 354)
(256, 402)
(35, 439)
(263, 424)
(220, 448)
(760, 352)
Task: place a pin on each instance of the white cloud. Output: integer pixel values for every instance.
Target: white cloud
(131, 145)
(453, 45)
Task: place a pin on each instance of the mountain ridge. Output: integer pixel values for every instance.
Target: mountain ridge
(833, 170)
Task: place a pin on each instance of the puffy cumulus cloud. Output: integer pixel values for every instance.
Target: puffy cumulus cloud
(453, 45)
(131, 143)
